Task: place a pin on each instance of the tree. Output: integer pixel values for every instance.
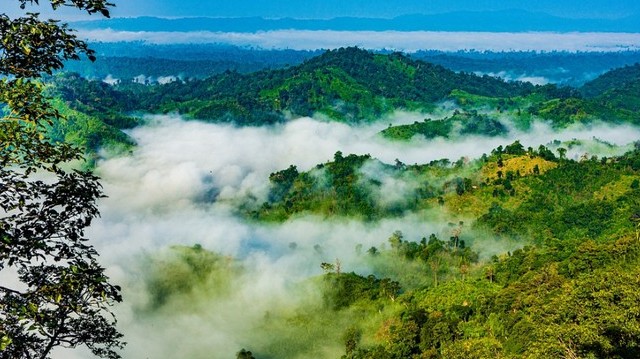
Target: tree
(244, 354)
(562, 152)
(54, 292)
(515, 148)
(327, 267)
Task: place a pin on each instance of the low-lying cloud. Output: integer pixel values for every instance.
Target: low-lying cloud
(408, 41)
(185, 175)
(510, 76)
(182, 183)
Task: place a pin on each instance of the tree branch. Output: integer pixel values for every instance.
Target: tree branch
(3, 288)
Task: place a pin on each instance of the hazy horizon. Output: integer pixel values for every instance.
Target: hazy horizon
(359, 8)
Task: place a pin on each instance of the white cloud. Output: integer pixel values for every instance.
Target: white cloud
(163, 80)
(111, 80)
(398, 40)
(509, 76)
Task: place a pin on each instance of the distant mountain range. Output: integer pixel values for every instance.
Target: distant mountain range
(490, 21)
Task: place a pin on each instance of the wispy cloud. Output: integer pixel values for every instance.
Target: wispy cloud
(397, 40)
(510, 76)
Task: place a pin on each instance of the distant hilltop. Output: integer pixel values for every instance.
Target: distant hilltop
(487, 21)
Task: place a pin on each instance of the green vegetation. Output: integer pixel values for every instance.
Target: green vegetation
(611, 80)
(185, 272)
(359, 187)
(569, 290)
(94, 114)
(335, 188)
(624, 97)
(88, 132)
(350, 85)
(54, 292)
(576, 222)
(458, 125)
(512, 192)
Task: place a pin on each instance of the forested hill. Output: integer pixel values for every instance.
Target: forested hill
(619, 88)
(611, 80)
(347, 84)
(396, 75)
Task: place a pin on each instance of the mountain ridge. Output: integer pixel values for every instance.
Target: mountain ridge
(347, 84)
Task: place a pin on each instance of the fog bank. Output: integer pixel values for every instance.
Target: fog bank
(407, 41)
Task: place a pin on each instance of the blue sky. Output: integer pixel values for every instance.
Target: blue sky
(361, 8)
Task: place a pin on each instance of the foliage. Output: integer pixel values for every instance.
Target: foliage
(344, 289)
(575, 222)
(540, 301)
(625, 97)
(458, 125)
(343, 187)
(87, 132)
(546, 299)
(56, 294)
(244, 354)
(351, 85)
(562, 67)
(613, 79)
(348, 84)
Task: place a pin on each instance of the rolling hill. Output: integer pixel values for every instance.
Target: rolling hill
(347, 84)
(352, 85)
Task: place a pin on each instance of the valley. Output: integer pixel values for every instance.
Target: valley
(330, 203)
(318, 211)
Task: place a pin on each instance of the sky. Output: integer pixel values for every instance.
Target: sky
(359, 8)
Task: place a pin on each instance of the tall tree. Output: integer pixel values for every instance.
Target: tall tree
(53, 291)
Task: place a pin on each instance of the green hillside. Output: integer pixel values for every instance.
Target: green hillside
(353, 85)
(568, 290)
(348, 84)
(434, 298)
(94, 115)
(616, 93)
(611, 80)
(337, 188)
(87, 131)
(559, 107)
(513, 191)
(458, 125)
(625, 97)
